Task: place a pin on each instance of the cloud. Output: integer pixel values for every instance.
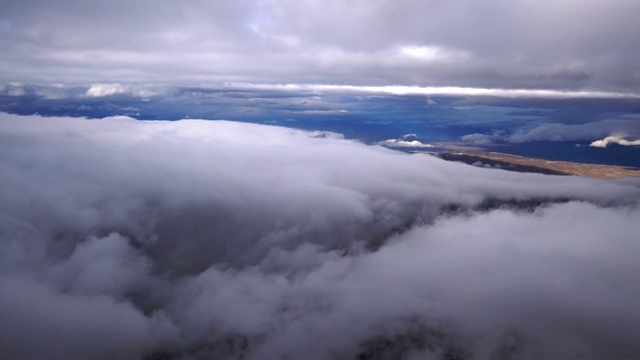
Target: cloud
(151, 90)
(12, 89)
(444, 90)
(565, 132)
(431, 53)
(102, 90)
(483, 139)
(214, 239)
(557, 132)
(405, 142)
(614, 140)
(505, 45)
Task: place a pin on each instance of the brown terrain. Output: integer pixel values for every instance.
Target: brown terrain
(477, 157)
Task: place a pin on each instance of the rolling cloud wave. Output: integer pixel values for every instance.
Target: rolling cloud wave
(215, 239)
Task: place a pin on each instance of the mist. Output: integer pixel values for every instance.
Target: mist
(198, 239)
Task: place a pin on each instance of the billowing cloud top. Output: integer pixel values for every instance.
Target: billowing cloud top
(213, 239)
(555, 44)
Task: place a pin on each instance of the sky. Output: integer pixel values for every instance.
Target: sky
(553, 73)
(568, 45)
(185, 180)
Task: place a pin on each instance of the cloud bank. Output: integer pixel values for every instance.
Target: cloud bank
(213, 239)
(561, 132)
(442, 90)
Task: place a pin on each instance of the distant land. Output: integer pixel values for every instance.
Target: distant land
(474, 156)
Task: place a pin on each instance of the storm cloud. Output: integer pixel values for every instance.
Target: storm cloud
(215, 239)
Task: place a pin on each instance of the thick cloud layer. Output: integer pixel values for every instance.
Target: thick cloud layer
(213, 239)
(559, 44)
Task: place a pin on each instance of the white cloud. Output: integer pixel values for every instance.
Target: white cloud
(432, 53)
(406, 141)
(614, 140)
(103, 90)
(100, 90)
(125, 238)
(444, 90)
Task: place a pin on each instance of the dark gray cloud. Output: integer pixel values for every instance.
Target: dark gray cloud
(563, 44)
(214, 239)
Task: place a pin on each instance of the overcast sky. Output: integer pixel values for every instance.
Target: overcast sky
(133, 239)
(558, 44)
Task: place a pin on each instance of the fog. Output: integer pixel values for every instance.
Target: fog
(202, 239)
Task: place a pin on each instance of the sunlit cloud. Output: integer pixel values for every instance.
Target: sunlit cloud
(614, 140)
(406, 141)
(432, 53)
(102, 90)
(446, 90)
